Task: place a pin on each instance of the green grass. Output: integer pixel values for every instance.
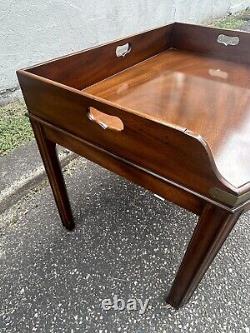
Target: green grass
(233, 21)
(230, 22)
(15, 128)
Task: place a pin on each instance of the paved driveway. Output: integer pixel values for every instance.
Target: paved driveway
(127, 243)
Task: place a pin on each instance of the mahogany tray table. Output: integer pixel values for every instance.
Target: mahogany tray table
(168, 109)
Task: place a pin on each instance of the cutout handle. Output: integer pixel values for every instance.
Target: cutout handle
(104, 120)
(228, 40)
(123, 50)
(218, 73)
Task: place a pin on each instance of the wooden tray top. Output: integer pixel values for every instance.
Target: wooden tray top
(208, 96)
(175, 104)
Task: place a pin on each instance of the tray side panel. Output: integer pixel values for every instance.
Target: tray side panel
(165, 151)
(139, 177)
(88, 67)
(204, 40)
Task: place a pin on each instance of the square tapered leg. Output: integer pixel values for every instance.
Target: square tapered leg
(212, 229)
(52, 166)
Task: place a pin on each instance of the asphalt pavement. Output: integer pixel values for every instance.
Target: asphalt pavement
(127, 244)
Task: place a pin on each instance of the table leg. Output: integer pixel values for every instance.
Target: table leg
(212, 229)
(52, 166)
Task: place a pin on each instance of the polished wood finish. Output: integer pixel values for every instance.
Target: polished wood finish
(126, 169)
(79, 70)
(172, 86)
(52, 166)
(172, 115)
(204, 40)
(69, 110)
(212, 229)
